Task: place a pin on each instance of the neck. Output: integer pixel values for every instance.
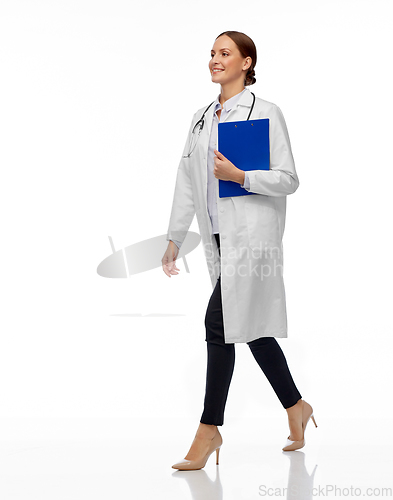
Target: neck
(229, 90)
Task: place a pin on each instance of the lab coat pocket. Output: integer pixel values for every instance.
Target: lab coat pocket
(262, 222)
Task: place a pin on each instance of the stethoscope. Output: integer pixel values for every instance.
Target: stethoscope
(201, 123)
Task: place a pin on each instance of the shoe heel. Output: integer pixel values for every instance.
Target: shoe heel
(313, 419)
(217, 453)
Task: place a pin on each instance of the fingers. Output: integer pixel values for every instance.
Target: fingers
(170, 269)
(166, 270)
(169, 260)
(173, 269)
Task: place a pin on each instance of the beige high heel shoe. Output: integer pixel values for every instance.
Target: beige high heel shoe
(307, 413)
(215, 444)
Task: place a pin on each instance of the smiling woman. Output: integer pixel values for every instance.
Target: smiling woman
(248, 302)
(231, 52)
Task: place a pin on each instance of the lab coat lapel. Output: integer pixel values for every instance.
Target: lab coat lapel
(238, 112)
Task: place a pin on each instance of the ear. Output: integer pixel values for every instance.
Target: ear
(248, 62)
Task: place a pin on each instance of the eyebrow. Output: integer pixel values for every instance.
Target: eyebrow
(220, 49)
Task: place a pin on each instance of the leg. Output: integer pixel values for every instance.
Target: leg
(268, 354)
(220, 359)
(271, 359)
(220, 362)
(220, 365)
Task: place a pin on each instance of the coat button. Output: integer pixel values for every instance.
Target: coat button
(223, 236)
(222, 210)
(225, 287)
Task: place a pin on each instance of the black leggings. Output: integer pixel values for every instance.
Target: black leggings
(221, 362)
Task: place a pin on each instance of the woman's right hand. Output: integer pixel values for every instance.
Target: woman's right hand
(169, 260)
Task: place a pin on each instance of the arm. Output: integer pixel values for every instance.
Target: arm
(183, 209)
(177, 243)
(282, 178)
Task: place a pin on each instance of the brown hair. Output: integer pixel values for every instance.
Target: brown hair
(247, 49)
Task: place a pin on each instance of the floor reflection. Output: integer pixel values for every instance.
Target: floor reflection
(200, 485)
(300, 483)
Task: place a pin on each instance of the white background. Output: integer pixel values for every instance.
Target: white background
(97, 98)
(96, 101)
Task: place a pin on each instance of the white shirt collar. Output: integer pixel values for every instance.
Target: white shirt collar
(229, 104)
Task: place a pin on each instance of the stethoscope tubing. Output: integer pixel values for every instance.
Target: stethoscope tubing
(201, 122)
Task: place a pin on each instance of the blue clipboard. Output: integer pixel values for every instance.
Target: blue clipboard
(246, 144)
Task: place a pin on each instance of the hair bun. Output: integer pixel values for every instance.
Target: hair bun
(250, 78)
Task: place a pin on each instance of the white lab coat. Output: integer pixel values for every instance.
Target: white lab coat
(251, 227)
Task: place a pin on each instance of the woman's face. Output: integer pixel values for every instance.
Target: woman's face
(226, 59)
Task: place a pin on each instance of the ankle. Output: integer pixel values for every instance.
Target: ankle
(294, 410)
(206, 429)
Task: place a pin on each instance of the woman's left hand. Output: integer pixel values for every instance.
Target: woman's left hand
(225, 169)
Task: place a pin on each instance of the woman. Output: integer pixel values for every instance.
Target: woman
(250, 305)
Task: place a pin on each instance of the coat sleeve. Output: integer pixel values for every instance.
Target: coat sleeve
(177, 243)
(183, 208)
(282, 178)
(246, 184)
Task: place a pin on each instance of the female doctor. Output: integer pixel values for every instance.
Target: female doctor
(242, 241)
